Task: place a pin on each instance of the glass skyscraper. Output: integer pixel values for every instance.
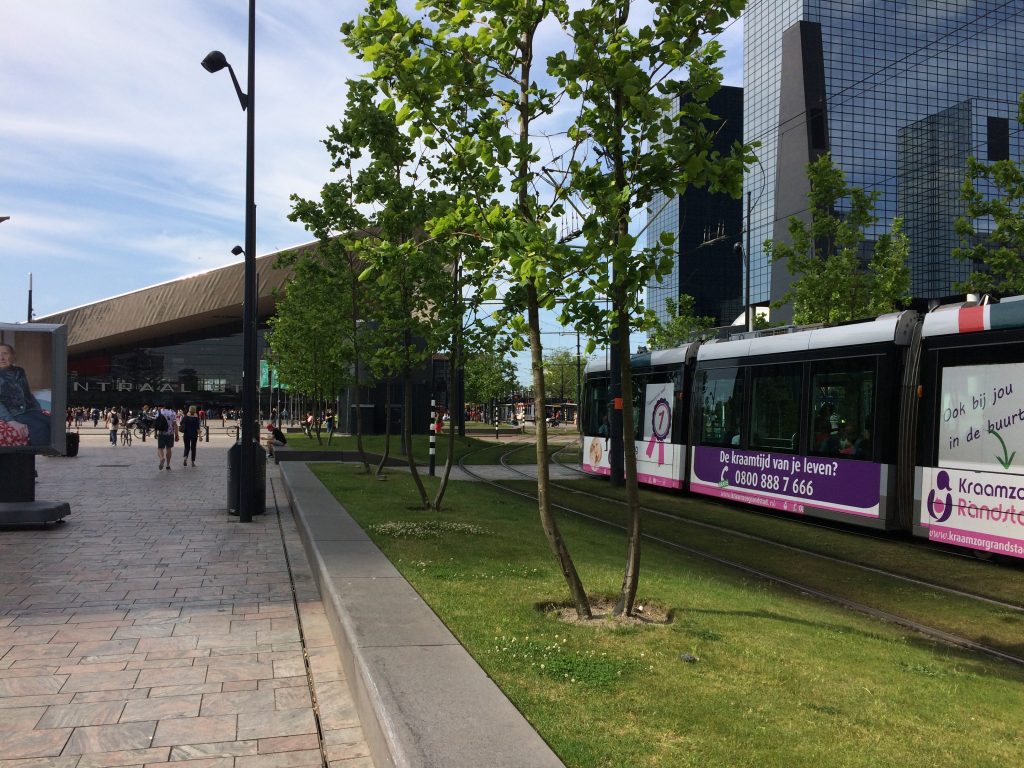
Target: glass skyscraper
(910, 90)
(706, 226)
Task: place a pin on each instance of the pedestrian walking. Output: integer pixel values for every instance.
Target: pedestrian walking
(165, 426)
(114, 421)
(190, 435)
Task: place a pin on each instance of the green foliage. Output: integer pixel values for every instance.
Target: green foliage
(489, 375)
(994, 193)
(683, 325)
(561, 372)
(307, 340)
(830, 285)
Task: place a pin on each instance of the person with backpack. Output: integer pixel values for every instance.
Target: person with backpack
(165, 426)
(115, 420)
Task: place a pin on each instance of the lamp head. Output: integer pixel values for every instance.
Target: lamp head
(738, 249)
(237, 250)
(214, 61)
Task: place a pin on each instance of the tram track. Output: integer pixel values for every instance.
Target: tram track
(1015, 607)
(933, 632)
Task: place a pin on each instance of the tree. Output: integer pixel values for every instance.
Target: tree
(560, 368)
(305, 336)
(683, 325)
(466, 79)
(462, 78)
(831, 285)
(489, 375)
(999, 254)
(644, 132)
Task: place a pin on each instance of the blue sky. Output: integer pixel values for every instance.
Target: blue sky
(124, 161)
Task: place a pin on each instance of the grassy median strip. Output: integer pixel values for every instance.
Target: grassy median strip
(476, 450)
(746, 674)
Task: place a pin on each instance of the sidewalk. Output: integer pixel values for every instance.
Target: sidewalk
(152, 627)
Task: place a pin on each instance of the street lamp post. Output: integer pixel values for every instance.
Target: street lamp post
(214, 62)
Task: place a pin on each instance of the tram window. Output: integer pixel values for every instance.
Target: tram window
(775, 410)
(721, 392)
(842, 408)
(639, 394)
(596, 406)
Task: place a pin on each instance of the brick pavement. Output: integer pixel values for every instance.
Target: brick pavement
(151, 627)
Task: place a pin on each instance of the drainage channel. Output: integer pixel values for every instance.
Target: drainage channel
(310, 683)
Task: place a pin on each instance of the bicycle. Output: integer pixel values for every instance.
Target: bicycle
(141, 426)
(126, 436)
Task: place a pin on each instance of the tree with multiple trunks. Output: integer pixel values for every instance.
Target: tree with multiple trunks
(479, 83)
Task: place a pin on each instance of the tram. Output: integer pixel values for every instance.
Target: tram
(897, 423)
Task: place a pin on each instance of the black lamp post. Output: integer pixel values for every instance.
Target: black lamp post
(214, 62)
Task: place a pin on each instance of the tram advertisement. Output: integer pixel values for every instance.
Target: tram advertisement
(981, 418)
(657, 458)
(786, 482)
(595, 455)
(978, 510)
(974, 498)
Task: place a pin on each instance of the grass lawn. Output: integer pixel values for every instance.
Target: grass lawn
(780, 680)
(483, 449)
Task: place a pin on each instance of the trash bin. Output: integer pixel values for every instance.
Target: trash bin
(72, 444)
(259, 479)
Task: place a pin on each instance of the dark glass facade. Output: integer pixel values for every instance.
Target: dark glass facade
(707, 226)
(912, 89)
(204, 371)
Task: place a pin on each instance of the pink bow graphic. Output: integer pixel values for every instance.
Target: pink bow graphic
(661, 449)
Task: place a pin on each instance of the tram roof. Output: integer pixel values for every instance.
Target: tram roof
(896, 327)
(645, 359)
(953, 319)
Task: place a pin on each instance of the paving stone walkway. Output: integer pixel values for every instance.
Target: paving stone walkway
(151, 627)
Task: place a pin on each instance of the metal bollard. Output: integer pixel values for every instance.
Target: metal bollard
(206, 429)
(433, 435)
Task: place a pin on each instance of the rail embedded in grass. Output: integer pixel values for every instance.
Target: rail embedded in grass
(815, 676)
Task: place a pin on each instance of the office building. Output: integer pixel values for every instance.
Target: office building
(900, 93)
(707, 227)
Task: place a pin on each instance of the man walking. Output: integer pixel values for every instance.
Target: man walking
(165, 426)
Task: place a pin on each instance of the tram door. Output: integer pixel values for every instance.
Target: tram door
(658, 408)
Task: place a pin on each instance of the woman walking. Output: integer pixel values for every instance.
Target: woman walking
(189, 428)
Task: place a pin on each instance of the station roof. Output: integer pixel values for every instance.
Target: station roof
(188, 304)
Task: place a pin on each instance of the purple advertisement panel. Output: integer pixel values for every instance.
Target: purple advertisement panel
(786, 482)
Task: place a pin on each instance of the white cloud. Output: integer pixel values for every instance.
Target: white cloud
(124, 161)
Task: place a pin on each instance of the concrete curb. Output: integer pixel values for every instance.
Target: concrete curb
(422, 699)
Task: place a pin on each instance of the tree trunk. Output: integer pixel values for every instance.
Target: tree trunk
(454, 360)
(387, 428)
(407, 426)
(631, 574)
(547, 519)
(359, 411)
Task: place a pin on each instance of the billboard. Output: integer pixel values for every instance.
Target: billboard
(33, 388)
